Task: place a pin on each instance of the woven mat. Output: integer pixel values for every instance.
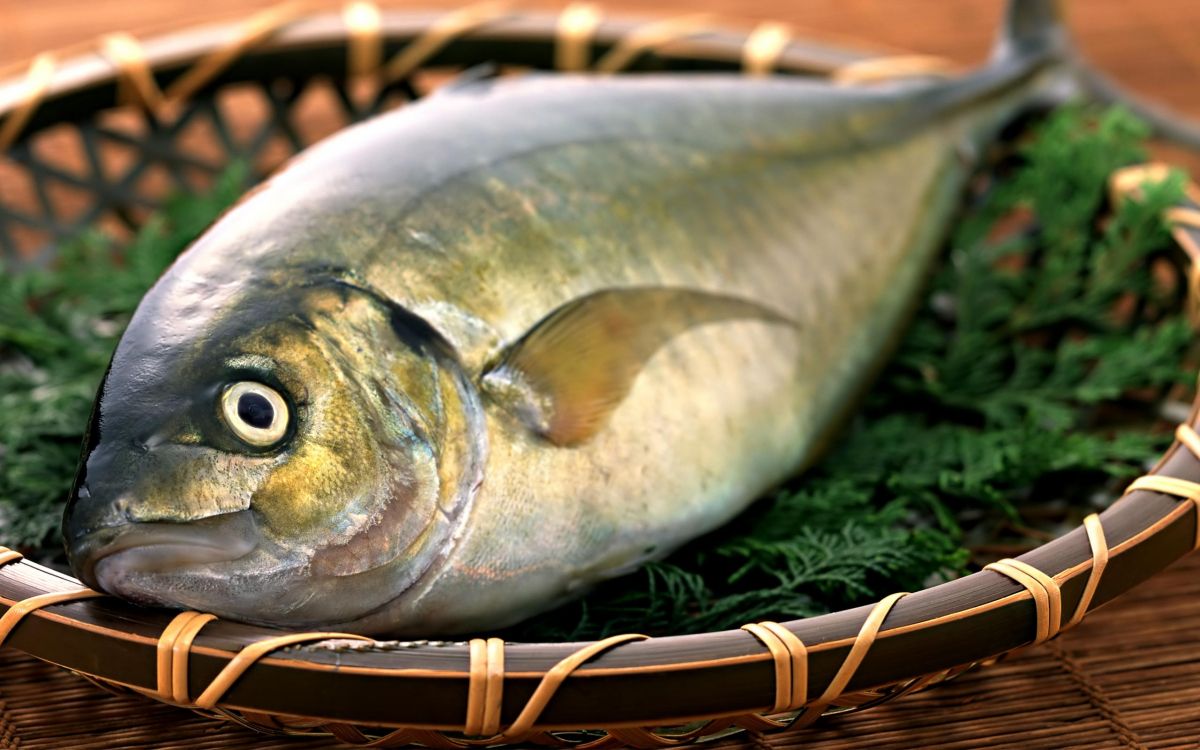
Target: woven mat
(1129, 677)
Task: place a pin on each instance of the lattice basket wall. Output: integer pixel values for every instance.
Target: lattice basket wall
(100, 138)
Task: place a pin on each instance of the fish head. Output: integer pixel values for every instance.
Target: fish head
(301, 458)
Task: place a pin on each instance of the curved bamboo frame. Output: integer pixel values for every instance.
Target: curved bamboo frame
(766, 676)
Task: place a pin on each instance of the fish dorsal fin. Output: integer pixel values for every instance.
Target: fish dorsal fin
(570, 371)
(475, 79)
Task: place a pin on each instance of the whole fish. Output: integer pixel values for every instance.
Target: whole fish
(455, 365)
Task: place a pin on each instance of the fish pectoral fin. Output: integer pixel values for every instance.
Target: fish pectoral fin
(565, 377)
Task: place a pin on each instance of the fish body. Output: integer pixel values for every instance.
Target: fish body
(457, 364)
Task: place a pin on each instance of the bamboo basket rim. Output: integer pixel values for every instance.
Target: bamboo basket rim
(730, 679)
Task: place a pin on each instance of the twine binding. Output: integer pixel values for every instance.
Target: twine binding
(763, 48)
(1047, 596)
(20, 610)
(1172, 486)
(37, 85)
(180, 652)
(858, 652)
(443, 31)
(573, 37)
(136, 82)
(1187, 437)
(251, 654)
(1183, 221)
(364, 38)
(486, 687)
(135, 79)
(650, 37)
(791, 664)
(257, 29)
(1099, 546)
(553, 679)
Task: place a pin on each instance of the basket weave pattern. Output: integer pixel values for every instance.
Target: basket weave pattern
(260, 92)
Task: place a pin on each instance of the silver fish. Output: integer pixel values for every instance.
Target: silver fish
(453, 366)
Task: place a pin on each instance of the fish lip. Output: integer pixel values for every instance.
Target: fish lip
(223, 538)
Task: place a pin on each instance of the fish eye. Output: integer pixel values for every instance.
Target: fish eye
(256, 413)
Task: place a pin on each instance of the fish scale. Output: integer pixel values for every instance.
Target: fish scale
(776, 389)
(524, 335)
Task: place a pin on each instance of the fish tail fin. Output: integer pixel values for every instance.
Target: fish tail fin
(1033, 28)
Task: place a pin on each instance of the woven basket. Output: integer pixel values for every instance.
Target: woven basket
(100, 138)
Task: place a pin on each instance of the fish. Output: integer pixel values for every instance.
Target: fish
(453, 366)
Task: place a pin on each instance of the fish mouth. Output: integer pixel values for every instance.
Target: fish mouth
(108, 558)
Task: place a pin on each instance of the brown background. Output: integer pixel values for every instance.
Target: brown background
(1129, 678)
(1152, 46)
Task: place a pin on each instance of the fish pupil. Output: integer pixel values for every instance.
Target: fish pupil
(255, 410)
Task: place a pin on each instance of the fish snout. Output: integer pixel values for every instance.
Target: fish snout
(126, 557)
(89, 523)
(99, 501)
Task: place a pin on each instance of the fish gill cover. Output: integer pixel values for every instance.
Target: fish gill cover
(1024, 393)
